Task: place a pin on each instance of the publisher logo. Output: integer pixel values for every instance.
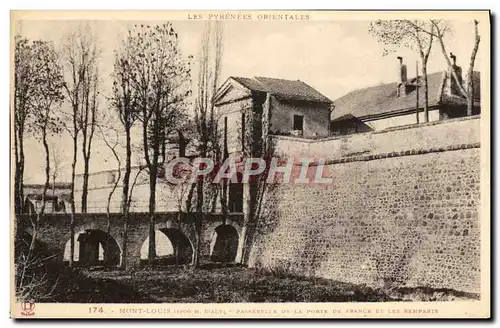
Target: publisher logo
(27, 308)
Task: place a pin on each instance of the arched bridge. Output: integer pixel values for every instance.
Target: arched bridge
(99, 239)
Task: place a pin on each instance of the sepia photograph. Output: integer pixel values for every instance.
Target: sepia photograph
(250, 164)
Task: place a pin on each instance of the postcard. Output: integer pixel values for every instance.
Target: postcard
(250, 164)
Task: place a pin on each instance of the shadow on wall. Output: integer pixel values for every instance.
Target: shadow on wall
(266, 223)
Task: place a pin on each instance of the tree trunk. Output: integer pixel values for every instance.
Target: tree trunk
(152, 199)
(175, 244)
(426, 91)
(198, 222)
(126, 176)
(19, 171)
(21, 168)
(108, 212)
(47, 169)
(124, 241)
(72, 201)
(470, 100)
(223, 200)
(108, 237)
(214, 200)
(55, 203)
(17, 201)
(189, 199)
(125, 203)
(85, 185)
(470, 74)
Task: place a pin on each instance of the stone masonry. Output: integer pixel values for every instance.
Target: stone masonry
(55, 233)
(408, 217)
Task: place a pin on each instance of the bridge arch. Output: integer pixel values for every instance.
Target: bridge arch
(93, 247)
(224, 243)
(173, 247)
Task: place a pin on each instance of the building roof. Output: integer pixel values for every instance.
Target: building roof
(383, 98)
(344, 118)
(283, 89)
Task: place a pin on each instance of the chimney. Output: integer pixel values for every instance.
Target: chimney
(402, 77)
(453, 58)
(452, 86)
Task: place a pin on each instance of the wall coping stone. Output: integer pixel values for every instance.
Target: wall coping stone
(396, 128)
(402, 153)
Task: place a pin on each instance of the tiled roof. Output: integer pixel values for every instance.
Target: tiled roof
(383, 98)
(249, 83)
(283, 89)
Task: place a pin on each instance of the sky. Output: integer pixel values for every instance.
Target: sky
(335, 57)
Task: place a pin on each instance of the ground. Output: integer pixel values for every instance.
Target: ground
(224, 284)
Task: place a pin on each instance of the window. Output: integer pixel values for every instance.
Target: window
(298, 122)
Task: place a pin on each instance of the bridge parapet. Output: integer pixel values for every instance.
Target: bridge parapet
(54, 229)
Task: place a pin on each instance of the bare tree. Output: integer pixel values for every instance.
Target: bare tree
(24, 76)
(440, 30)
(161, 85)
(89, 54)
(209, 66)
(81, 91)
(407, 33)
(38, 98)
(123, 100)
(47, 95)
(88, 123)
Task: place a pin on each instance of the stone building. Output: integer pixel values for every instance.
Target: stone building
(394, 104)
(276, 106)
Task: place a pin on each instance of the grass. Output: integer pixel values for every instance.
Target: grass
(225, 284)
